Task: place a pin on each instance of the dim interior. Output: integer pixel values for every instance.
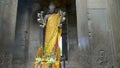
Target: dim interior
(29, 35)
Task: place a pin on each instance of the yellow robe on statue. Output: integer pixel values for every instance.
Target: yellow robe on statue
(52, 33)
(52, 36)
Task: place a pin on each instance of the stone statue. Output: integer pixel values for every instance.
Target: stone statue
(52, 25)
(43, 19)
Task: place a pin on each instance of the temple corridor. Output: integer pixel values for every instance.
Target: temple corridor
(90, 33)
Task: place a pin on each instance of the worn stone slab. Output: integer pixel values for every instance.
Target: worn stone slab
(96, 4)
(8, 11)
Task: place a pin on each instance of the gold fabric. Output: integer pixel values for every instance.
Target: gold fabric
(52, 32)
(52, 37)
(39, 52)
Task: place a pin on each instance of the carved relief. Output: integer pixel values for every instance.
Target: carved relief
(4, 58)
(102, 59)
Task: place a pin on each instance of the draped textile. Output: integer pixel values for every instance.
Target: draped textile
(50, 54)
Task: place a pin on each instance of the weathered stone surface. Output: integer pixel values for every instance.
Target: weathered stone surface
(21, 47)
(83, 52)
(93, 39)
(114, 12)
(92, 21)
(96, 3)
(101, 46)
(8, 10)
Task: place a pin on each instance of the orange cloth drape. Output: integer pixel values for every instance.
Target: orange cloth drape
(52, 37)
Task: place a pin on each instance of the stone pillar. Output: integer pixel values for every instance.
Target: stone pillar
(8, 10)
(114, 21)
(95, 41)
(35, 35)
(83, 48)
(100, 35)
(72, 39)
(21, 47)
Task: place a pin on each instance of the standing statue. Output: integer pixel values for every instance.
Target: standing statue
(49, 52)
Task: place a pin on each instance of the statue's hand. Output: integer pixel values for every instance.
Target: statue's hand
(63, 19)
(42, 25)
(60, 26)
(41, 22)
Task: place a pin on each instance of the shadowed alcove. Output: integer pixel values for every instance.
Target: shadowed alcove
(29, 36)
(90, 38)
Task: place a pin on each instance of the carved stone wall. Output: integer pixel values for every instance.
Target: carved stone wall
(101, 45)
(35, 35)
(8, 10)
(83, 47)
(20, 49)
(22, 45)
(114, 11)
(93, 41)
(94, 26)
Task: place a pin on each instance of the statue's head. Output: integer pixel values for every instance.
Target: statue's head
(57, 3)
(51, 7)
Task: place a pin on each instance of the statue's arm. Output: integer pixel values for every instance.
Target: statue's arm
(63, 18)
(41, 19)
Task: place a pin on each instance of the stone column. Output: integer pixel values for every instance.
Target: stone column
(95, 41)
(100, 35)
(8, 10)
(83, 48)
(21, 47)
(114, 21)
